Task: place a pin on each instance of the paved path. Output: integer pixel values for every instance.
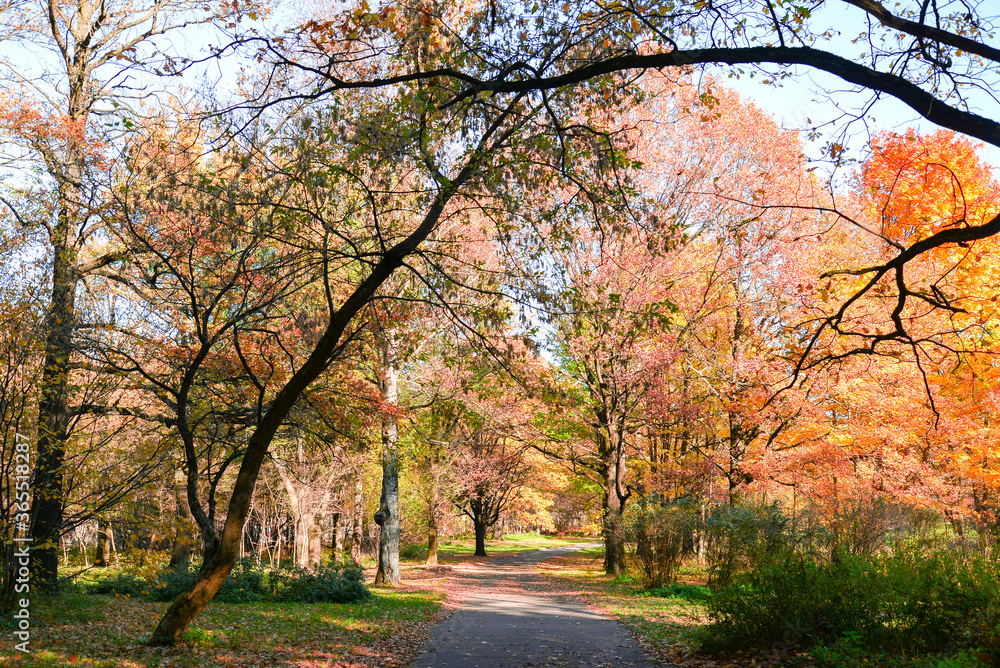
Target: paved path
(513, 620)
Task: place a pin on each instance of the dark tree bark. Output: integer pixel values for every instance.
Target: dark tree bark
(387, 516)
(479, 524)
(433, 503)
(610, 435)
(53, 408)
(614, 541)
(484, 514)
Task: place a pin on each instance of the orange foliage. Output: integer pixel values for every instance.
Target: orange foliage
(920, 184)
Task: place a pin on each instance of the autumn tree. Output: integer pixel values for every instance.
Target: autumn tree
(417, 315)
(331, 206)
(932, 59)
(668, 324)
(63, 111)
(914, 415)
(490, 470)
(20, 365)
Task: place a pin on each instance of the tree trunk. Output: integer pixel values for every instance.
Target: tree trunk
(432, 541)
(433, 502)
(183, 537)
(304, 521)
(338, 538)
(302, 529)
(613, 502)
(432, 547)
(357, 518)
(387, 516)
(315, 542)
(480, 527)
(101, 555)
(53, 411)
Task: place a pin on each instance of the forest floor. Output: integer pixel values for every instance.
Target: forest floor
(397, 625)
(387, 631)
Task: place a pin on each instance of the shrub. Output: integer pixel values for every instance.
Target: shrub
(413, 551)
(325, 584)
(250, 583)
(657, 532)
(906, 601)
(942, 599)
(120, 584)
(681, 591)
(245, 584)
(169, 583)
(739, 537)
(793, 599)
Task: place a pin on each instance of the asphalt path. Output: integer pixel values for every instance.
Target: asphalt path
(512, 619)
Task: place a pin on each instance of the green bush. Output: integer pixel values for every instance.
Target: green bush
(120, 584)
(325, 584)
(906, 601)
(846, 653)
(169, 583)
(249, 583)
(792, 599)
(656, 532)
(246, 583)
(740, 536)
(413, 551)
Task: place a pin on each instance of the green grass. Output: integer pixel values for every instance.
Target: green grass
(453, 548)
(671, 625)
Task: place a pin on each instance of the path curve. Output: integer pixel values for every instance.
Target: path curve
(513, 619)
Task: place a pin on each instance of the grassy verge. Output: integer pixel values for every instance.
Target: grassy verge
(668, 626)
(90, 630)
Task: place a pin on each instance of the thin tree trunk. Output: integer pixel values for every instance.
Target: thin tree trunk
(387, 516)
(180, 554)
(302, 523)
(84, 549)
(338, 538)
(357, 518)
(432, 534)
(433, 503)
(101, 554)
